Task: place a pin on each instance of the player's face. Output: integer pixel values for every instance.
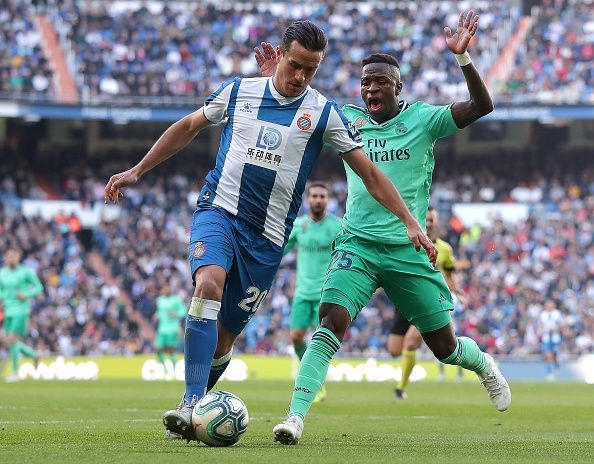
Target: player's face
(432, 224)
(166, 290)
(12, 258)
(380, 87)
(296, 68)
(317, 199)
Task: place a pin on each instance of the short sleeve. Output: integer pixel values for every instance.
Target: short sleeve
(215, 106)
(438, 119)
(340, 134)
(450, 262)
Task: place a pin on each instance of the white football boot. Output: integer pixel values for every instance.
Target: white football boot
(496, 385)
(178, 421)
(13, 377)
(290, 431)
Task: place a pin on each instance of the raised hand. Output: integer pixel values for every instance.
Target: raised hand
(267, 58)
(113, 189)
(467, 26)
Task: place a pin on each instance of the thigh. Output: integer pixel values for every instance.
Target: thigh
(301, 313)
(400, 325)
(249, 279)
(351, 279)
(211, 240)
(417, 289)
(17, 325)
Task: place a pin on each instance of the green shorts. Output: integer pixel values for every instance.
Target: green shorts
(167, 340)
(304, 313)
(16, 325)
(359, 267)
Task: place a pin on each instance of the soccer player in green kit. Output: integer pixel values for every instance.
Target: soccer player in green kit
(170, 309)
(313, 235)
(372, 251)
(18, 285)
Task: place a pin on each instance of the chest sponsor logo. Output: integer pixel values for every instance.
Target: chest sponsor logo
(269, 147)
(377, 151)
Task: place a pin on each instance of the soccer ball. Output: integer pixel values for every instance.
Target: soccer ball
(220, 419)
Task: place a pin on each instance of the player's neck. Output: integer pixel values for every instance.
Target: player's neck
(317, 217)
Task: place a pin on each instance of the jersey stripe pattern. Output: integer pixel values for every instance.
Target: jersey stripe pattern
(268, 148)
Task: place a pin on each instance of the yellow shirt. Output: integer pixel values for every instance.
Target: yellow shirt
(445, 258)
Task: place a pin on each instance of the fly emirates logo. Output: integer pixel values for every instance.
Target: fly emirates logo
(378, 152)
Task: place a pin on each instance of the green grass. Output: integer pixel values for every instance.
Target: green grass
(120, 421)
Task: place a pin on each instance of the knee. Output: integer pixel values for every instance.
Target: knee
(208, 288)
(334, 318)
(394, 346)
(297, 337)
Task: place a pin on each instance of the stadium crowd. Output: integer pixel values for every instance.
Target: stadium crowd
(24, 70)
(508, 271)
(178, 52)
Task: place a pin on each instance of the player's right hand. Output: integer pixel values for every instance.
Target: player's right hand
(419, 238)
(113, 189)
(267, 58)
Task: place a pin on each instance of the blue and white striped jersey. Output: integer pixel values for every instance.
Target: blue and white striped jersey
(268, 148)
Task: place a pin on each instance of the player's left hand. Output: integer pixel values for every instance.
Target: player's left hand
(467, 26)
(113, 189)
(420, 239)
(267, 58)
(21, 296)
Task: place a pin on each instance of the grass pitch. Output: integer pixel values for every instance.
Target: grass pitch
(120, 422)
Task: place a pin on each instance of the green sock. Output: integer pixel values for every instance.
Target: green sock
(468, 355)
(161, 356)
(313, 369)
(14, 356)
(26, 350)
(409, 359)
(172, 359)
(300, 350)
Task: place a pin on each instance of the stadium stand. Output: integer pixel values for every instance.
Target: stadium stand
(508, 270)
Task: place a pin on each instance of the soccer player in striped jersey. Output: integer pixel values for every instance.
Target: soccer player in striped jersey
(274, 130)
(372, 252)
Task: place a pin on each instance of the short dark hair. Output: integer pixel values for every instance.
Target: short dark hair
(431, 208)
(380, 58)
(307, 34)
(318, 184)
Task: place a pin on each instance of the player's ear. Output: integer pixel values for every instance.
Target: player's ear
(398, 88)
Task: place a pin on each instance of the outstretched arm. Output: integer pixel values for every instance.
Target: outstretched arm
(177, 136)
(480, 103)
(384, 191)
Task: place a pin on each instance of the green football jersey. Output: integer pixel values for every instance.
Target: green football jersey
(170, 309)
(402, 148)
(21, 279)
(314, 246)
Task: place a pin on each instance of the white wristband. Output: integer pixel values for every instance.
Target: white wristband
(463, 59)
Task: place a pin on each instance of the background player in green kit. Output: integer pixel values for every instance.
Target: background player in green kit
(372, 251)
(18, 285)
(313, 235)
(405, 337)
(170, 310)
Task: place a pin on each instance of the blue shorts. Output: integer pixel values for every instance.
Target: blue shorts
(250, 259)
(550, 347)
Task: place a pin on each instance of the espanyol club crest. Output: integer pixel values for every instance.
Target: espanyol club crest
(199, 250)
(304, 122)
